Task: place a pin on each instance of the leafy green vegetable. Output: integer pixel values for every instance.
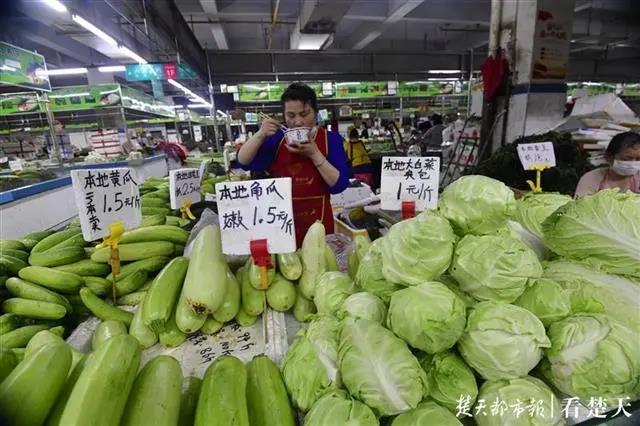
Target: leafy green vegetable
(338, 408)
(363, 305)
(453, 285)
(450, 380)
(533, 209)
(428, 316)
(427, 413)
(494, 267)
(502, 341)
(602, 229)
(369, 276)
(477, 205)
(547, 300)
(331, 291)
(361, 245)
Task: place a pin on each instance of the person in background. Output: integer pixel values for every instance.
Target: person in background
(433, 137)
(361, 167)
(317, 168)
(364, 133)
(623, 171)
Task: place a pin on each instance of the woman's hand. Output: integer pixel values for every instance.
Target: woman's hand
(309, 149)
(269, 127)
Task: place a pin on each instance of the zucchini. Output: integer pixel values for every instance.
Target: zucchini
(155, 210)
(162, 294)
(100, 394)
(244, 319)
(254, 274)
(12, 245)
(223, 396)
(11, 264)
(8, 361)
(131, 283)
(171, 336)
(152, 220)
(9, 322)
(102, 309)
(34, 308)
(267, 398)
(3, 279)
(135, 251)
(253, 301)
(330, 258)
(147, 285)
(64, 282)
(155, 397)
(86, 267)
(38, 235)
(57, 256)
(178, 250)
(210, 326)
(19, 254)
(40, 339)
(189, 400)
(105, 331)
(27, 290)
(313, 258)
(281, 296)
(100, 286)
(289, 265)
(139, 330)
(18, 353)
(231, 304)
(169, 233)
(131, 299)
(303, 308)
(76, 240)
(187, 320)
(54, 239)
(153, 202)
(30, 390)
(58, 407)
(150, 265)
(29, 243)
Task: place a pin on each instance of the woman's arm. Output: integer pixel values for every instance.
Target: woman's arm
(250, 148)
(328, 172)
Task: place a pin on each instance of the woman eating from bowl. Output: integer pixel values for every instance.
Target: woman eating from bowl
(623, 171)
(311, 156)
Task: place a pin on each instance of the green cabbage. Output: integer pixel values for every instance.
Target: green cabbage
(602, 229)
(502, 341)
(364, 305)
(417, 250)
(450, 380)
(428, 316)
(589, 290)
(535, 243)
(332, 289)
(547, 300)
(593, 355)
(533, 209)
(338, 408)
(361, 244)
(369, 276)
(427, 413)
(310, 367)
(379, 369)
(453, 285)
(477, 204)
(517, 395)
(494, 267)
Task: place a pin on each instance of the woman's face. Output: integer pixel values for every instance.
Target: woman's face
(299, 114)
(631, 153)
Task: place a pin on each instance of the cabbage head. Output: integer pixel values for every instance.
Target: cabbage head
(338, 408)
(450, 380)
(379, 369)
(533, 209)
(429, 316)
(310, 367)
(417, 250)
(361, 244)
(593, 355)
(494, 267)
(502, 341)
(453, 285)
(547, 300)
(363, 305)
(427, 413)
(369, 276)
(602, 229)
(590, 290)
(477, 204)
(532, 241)
(519, 393)
(331, 291)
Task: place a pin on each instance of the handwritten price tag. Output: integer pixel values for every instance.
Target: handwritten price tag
(409, 179)
(184, 184)
(539, 154)
(15, 165)
(203, 169)
(254, 210)
(104, 196)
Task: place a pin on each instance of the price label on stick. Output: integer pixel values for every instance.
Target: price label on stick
(184, 184)
(409, 179)
(105, 196)
(536, 155)
(255, 210)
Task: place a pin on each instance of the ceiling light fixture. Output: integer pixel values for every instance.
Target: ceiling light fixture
(199, 106)
(444, 72)
(95, 30)
(187, 91)
(444, 79)
(70, 95)
(112, 68)
(133, 55)
(308, 41)
(55, 5)
(65, 71)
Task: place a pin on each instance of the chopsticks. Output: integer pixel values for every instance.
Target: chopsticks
(267, 117)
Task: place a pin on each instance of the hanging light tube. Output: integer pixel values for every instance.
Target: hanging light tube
(95, 30)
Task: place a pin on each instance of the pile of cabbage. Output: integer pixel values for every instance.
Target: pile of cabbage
(488, 297)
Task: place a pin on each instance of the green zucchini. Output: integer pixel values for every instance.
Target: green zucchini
(57, 256)
(153, 202)
(254, 274)
(12, 245)
(281, 295)
(171, 336)
(36, 309)
(9, 322)
(155, 210)
(8, 361)
(150, 265)
(58, 408)
(139, 330)
(169, 233)
(210, 326)
(163, 293)
(105, 331)
(102, 309)
(86, 267)
(253, 301)
(244, 319)
(189, 400)
(152, 220)
(231, 304)
(131, 299)
(267, 398)
(38, 235)
(60, 281)
(76, 240)
(19, 254)
(131, 283)
(40, 339)
(11, 264)
(186, 319)
(100, 286)
(135, 251)
(27, 290)
(289, 265)
(303, 308)
(330, 256)
(18, 353)
(54, 239)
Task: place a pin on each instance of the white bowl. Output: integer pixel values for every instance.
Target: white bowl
(297, 135)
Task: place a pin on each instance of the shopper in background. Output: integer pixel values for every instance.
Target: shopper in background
(623, 156)
(433, 137)
(361, 167)
(317, 168)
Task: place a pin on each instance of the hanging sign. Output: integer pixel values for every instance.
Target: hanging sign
(256, 210)
(20, 67)
(410, 179)
(15, 165)
(104, 197)
(533, 155)
(184, 184)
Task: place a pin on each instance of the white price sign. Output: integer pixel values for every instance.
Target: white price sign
(536, 154)
(197, 133)
(105, 196)
(15, 165)
(203, 169)
(184, 184)
(409, 179)
(255, 210)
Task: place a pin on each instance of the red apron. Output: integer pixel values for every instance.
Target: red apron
(311, 199)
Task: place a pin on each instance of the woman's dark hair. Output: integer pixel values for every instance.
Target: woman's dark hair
(424, 126)
(300, 92)
(436, 119)
(353, 134)
(621, 141)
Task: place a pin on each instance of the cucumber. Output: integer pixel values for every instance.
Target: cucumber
(9, 322)
(150, 265)
(189, 400)
(3, 279)
(223, 396)
(267, 398)
(29, 243)
(163, 293)
(155, 397)
(40, 339)
(139, 330)
(231, 304)
(155, 210)
(281, 296)
(171, 336)
(169, 233)
(303, 308)
(244, 319)
(18, 353)
(100, 286)
(57, 256)
(102, 309)
(100, 394)
(153, 202)
(31, 389)
(18, 254)
(289, 265)
(211, 326)
(12, 245)
(8, 361)
(53, 240)
(147, 285)
(253, 301)
(330, 256)
(187, 320)
(131, 299)
(38, 235)
(11, 264)
(178, 250)
(105, 331)
(254, 274)
(58, 408)
(34, 308)
(152, 220)
(76, 240)
(27, 290)
(86, 267)
(135, 251)
(60, 281)
(131, 283)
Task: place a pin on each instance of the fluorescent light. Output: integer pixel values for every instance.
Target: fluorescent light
(199, 106)
(221, 113)
(444, 79)
(55, 5)
(112, 68)
(64, 71)
(7, 68)
(70, 95)
(95, 30)
(311, 41)
(193, 96)
(133, 55)
(444, 72)
(367, 39)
